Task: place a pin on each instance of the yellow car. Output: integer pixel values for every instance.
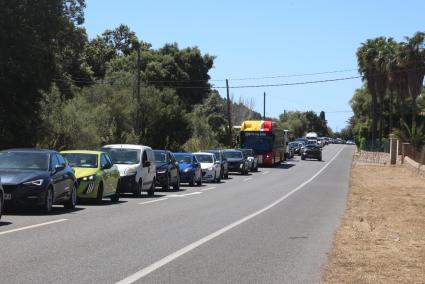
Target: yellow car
(96, 174)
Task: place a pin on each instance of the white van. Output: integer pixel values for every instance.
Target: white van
(137, 168)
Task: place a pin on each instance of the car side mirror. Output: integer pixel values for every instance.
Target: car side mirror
(59, 168)
(146, 164)
(106, 167)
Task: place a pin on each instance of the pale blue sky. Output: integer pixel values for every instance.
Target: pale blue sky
(269, 38)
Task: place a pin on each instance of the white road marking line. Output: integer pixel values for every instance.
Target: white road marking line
(247, 179)
(160, 263)
(265, 173)
(205, 189)
(33, 226)
(184, 195)
(152, 201)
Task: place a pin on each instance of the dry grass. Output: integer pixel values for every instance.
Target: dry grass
(382, 236)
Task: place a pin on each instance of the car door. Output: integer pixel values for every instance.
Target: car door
(173, 167)
(67, 176)
(145, 169)
(114, 173)
(57, 178)
(106, 173)
(197, 167)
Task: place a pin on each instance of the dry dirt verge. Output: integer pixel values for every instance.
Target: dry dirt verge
(382, 235)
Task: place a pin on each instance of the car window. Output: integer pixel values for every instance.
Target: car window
(108, 159)
(53, 162)
(61, 160)
(144, 157)
(103, 161)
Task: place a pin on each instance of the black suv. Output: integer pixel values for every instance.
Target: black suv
(312, 151)
(167, 170)
(237, 161)
(37, 177)
(223, 162)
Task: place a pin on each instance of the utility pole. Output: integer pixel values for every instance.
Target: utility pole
(138, 96)
(264, 106)
(229, 115)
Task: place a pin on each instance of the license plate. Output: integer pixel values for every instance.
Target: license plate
(7, 196)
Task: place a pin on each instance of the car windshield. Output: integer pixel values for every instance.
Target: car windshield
(294, 144)
(216, 153)
(203, 158)
(80, 160)
(123, 156)
(247, 152)
(160, 156)
(311, 146)
(24, 161)
(233, 154)
(183, 158)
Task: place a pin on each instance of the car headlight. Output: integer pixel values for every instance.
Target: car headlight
(241, 165)
(92, 177)
(37, 182)
(211, 168)
(161, 171)
(130, 171)
(187, 170)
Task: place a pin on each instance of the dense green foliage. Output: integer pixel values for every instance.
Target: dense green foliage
(61, 90)
(391, 100)
(299, 123)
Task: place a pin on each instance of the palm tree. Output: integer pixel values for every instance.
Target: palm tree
(366, 55)
(412, 59)
(393, 70)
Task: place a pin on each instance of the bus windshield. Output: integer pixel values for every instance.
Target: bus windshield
(259, 143)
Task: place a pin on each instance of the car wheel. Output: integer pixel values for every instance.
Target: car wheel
(151, 191)
(166, 186)
(219, 178)
(302, 157)
(320, 158)
(48, 201)
(199, 182)
(226, 175)
(99, 195)
(177, 185)
(116, 196)
(138, 189)
(70, 204)
(193, 180)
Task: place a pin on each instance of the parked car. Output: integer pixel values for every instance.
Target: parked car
(211, 168)
(97, 176)
(312, 151)
(33, 177)
(190, 168)
(252, 159)
(223, 162)
(167, 170)
(350, 142)
(1, 199)
(136, 164)
(237, 161)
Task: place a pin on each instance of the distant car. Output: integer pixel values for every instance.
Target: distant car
(223, 161)
(190, 168)
(211, 168)
(252, 159)
(33, 177)
(350, 142)
(96, 174)
(136, 164)
(295, 146)
(237, 161)
(167, 170)
(1, 199)
(312, 151)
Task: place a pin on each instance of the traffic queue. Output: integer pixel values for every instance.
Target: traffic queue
(42, 178)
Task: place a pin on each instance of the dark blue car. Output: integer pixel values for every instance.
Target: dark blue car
(190, 168)
(37, 177)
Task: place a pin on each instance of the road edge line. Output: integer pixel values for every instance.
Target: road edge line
(32, 226)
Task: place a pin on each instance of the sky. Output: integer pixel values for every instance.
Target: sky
(253, 39)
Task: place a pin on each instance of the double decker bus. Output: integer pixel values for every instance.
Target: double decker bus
(266, 139)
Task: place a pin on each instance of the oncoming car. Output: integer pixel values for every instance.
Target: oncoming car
(312, 151)
(210, 166)
(96, 174)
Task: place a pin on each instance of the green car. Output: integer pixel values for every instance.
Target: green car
(96, 174)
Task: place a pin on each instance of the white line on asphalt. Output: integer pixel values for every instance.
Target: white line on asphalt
(33, 226)
(205, 189)
(152, 201)
(160, 263)
(265, 173)
(247, 179)
(184, 195)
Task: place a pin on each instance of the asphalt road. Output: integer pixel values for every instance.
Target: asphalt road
(274, 226)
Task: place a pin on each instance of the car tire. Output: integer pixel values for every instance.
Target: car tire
(302, 157)
(116, 196)
(193, 181)
(151, 191)
(176, 187)
(256, 168)
(99, 195)
(226, 175)
(72, 202)
(138, 189)
(166, 186)
(199, 182)
(320, 159)
(48, 201)
(219, 178)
